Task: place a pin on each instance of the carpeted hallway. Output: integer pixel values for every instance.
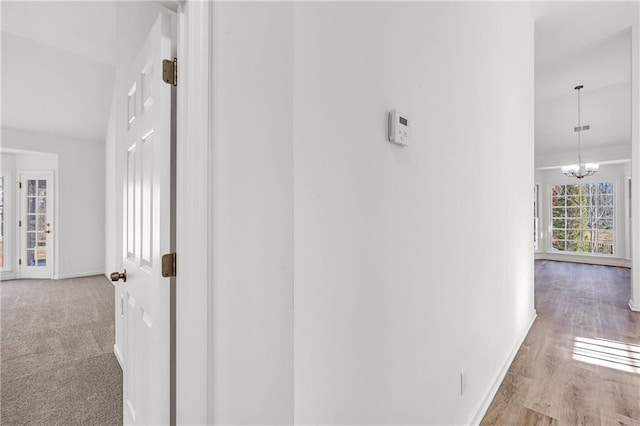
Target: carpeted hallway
(56, 353)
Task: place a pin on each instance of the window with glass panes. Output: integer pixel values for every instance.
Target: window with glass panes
(583, 218)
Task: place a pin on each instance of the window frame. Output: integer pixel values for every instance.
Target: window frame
(551, 228)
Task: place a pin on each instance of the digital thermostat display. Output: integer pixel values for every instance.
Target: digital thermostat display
(398, 128)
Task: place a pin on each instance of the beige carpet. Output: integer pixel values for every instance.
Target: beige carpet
(56, 353)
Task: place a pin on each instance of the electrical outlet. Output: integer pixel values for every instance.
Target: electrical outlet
(463, 382)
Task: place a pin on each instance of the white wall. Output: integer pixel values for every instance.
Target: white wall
(614, 153)
(252, 214)
(37, 162)
(616, 173)
(80, 198)
(409, 265)
(7, 162)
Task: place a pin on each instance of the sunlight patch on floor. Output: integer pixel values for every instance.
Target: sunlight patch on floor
(608, 353)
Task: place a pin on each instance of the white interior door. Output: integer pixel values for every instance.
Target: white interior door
(147, 192)
(35, 225)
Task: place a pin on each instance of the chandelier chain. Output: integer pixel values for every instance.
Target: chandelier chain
(580, 170)
(580, 130)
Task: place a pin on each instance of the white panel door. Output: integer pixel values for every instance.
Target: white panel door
(147, 192)
(35, 225)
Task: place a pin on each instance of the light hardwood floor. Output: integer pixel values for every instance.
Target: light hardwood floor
(580, 363)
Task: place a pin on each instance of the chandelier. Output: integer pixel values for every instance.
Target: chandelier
(581, 169)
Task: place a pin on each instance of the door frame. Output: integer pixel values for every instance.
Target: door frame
(52, 204)
(194, 201)
(634, 301)
(9, 269)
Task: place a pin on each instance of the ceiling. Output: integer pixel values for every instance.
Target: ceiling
(584, 43)
(58, 67)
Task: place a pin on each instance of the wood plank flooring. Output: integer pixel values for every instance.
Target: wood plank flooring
(580, 362)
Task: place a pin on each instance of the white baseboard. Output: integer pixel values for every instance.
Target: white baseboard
(77, 275)
(484, 405)
(8, 275)
(581, 258)
(634, 307)
(116, 352)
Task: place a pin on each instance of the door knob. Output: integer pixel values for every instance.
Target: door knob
(116, 276)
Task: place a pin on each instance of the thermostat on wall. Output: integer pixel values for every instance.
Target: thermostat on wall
(398, 128)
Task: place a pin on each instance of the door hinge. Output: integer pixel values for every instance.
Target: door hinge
(19, 224)
(20, 185)
(19, 261)
(169, 265)
(170, 71)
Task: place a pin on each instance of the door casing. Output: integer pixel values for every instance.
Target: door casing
(21, 195)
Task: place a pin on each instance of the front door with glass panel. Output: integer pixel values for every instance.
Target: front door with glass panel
(35, 225)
